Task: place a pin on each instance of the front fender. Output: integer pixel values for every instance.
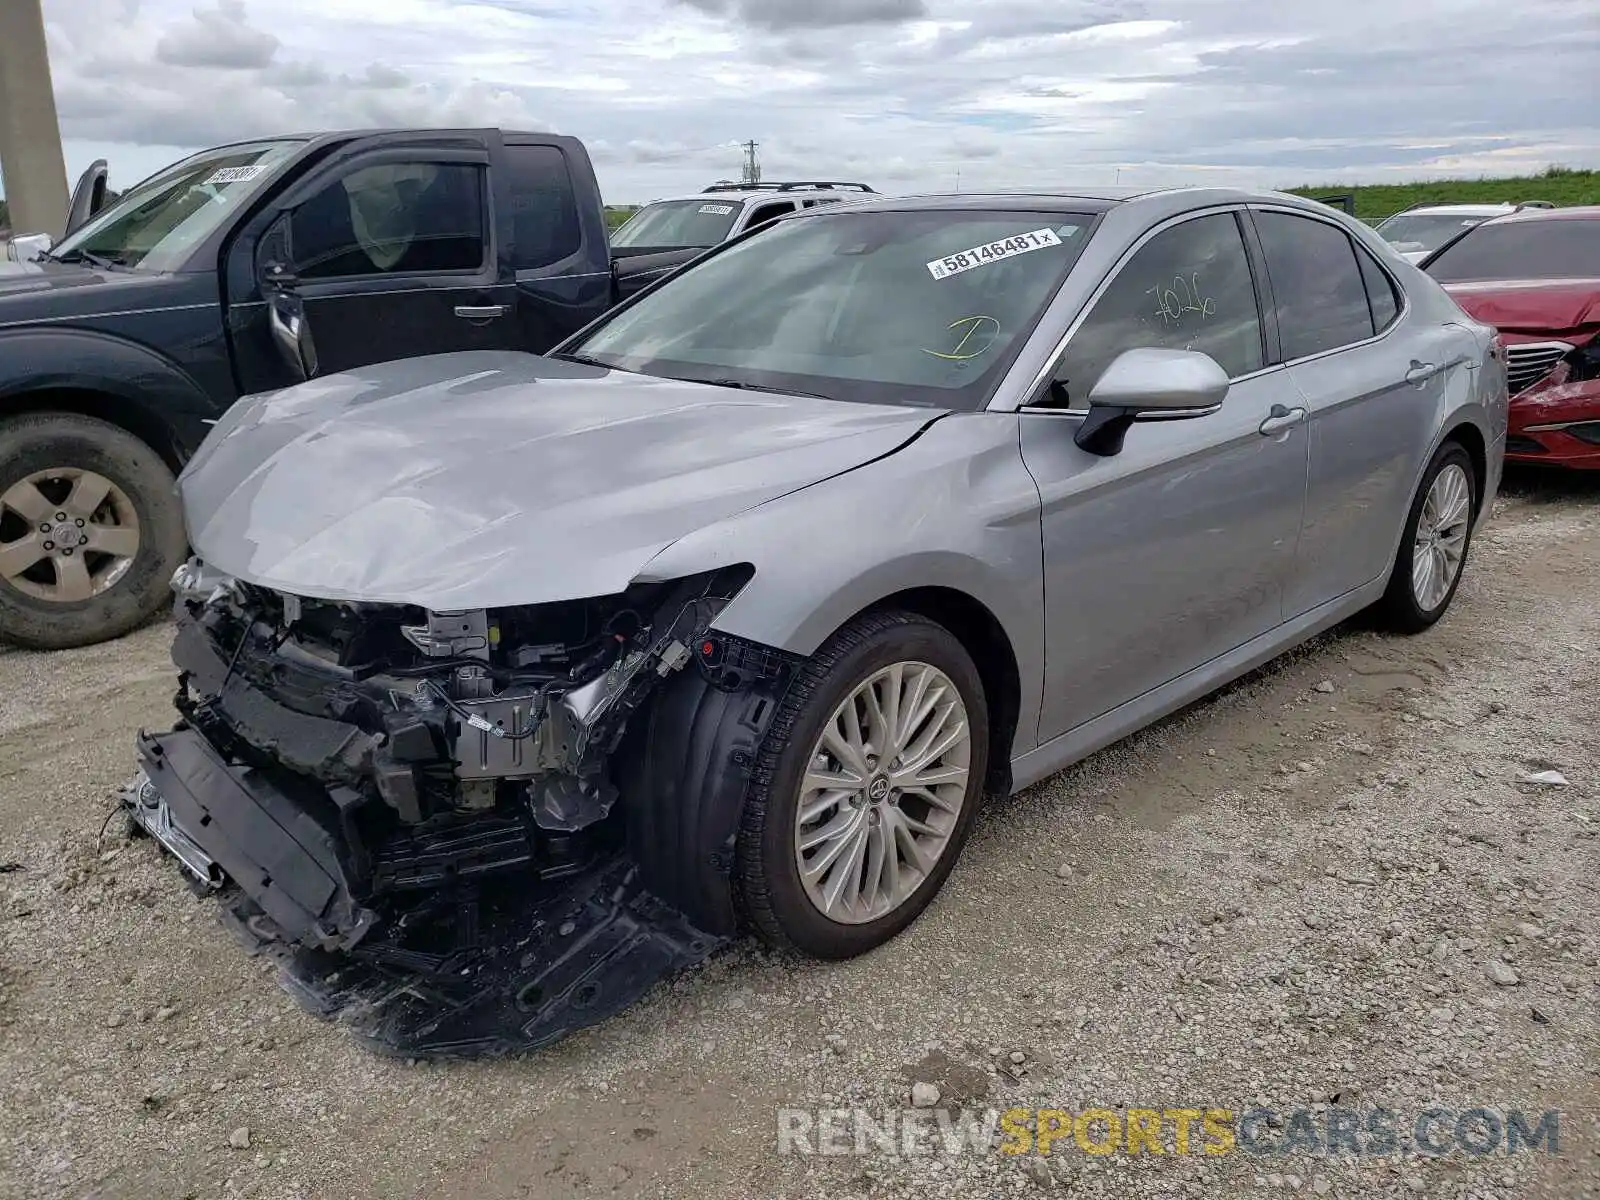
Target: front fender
(163, 401)
(954, 509)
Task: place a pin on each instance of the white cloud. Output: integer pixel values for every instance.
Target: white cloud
(902, 93)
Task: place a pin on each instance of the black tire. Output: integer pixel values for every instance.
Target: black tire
(39, 441)
(1399, 610)
(767, 879)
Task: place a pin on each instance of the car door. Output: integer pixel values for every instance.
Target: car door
(1371, 377)
(390, 252)
(1178, 548)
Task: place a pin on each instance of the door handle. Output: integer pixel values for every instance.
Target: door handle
(480, 312)
(1279, 419)
(1420, 373)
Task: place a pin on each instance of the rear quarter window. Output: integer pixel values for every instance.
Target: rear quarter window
(1382, 298)
(544, 211)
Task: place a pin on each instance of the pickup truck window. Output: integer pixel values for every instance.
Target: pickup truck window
(544, 212)
(679, 224)
(392, 219)
(156, 225)
(901, 307)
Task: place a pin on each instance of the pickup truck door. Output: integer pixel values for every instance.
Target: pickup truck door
(557, 239)
(387, 249)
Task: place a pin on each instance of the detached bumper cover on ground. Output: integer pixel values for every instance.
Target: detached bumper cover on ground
(473, 973)
(468, 971)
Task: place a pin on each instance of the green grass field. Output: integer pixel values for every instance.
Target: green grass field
(1559, 185)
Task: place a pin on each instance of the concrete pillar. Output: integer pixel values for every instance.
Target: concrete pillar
(31, 163)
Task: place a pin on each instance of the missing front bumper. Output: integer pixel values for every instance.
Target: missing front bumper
(484, 968)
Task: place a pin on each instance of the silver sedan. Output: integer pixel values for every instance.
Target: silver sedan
(770, 575)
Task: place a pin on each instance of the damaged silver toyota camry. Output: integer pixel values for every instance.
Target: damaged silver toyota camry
(510, 684)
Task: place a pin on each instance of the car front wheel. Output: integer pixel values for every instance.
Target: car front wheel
(866, 787)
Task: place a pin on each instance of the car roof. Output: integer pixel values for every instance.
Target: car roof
(1456, 210)
(1175, 198)
(726, 193)
(1577, 212)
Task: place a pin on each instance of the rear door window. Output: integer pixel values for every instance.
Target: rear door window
(1316, 284)
(544, 212)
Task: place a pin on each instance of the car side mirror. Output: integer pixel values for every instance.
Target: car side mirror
(29, 246)
(1149, 384)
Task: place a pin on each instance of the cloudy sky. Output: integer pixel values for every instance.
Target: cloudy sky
(902, 93)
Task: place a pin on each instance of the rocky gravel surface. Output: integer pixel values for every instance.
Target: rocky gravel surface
(1363, 877)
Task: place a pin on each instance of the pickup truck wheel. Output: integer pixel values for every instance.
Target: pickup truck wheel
(865, 788)
(90, 531)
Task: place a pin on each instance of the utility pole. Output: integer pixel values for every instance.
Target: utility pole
(31, 162)
(752, 167)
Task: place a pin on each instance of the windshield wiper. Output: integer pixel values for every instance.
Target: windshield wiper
(585, 360)
(760, 387)
(84, 256)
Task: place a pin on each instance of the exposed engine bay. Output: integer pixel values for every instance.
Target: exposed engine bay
(422, 815)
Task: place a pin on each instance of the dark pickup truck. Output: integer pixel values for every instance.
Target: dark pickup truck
(246, 268)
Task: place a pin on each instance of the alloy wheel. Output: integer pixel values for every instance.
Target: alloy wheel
(66, 535)
(883, 792)
(1441, 539)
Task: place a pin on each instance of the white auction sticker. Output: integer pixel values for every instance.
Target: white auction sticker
(989, 252)
(721, 210)
(235, 174)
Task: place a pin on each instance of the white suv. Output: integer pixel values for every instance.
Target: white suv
(1418, 231)
(724, 210)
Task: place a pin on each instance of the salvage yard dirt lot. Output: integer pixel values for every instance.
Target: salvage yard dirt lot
(1289, 895)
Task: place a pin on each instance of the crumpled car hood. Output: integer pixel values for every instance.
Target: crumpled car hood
(1531, 306)
(489, 479)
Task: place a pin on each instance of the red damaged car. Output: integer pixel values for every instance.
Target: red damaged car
(1535, 276)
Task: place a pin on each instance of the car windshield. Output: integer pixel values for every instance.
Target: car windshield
(1560, 248)
(1424, 231)
(922, 307)
(678, 224)
(156, 224)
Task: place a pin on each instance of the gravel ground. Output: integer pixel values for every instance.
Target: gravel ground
(1332, 884)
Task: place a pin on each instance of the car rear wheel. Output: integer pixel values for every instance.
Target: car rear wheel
(90, 531)
(1433, 550)
(865, 789)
